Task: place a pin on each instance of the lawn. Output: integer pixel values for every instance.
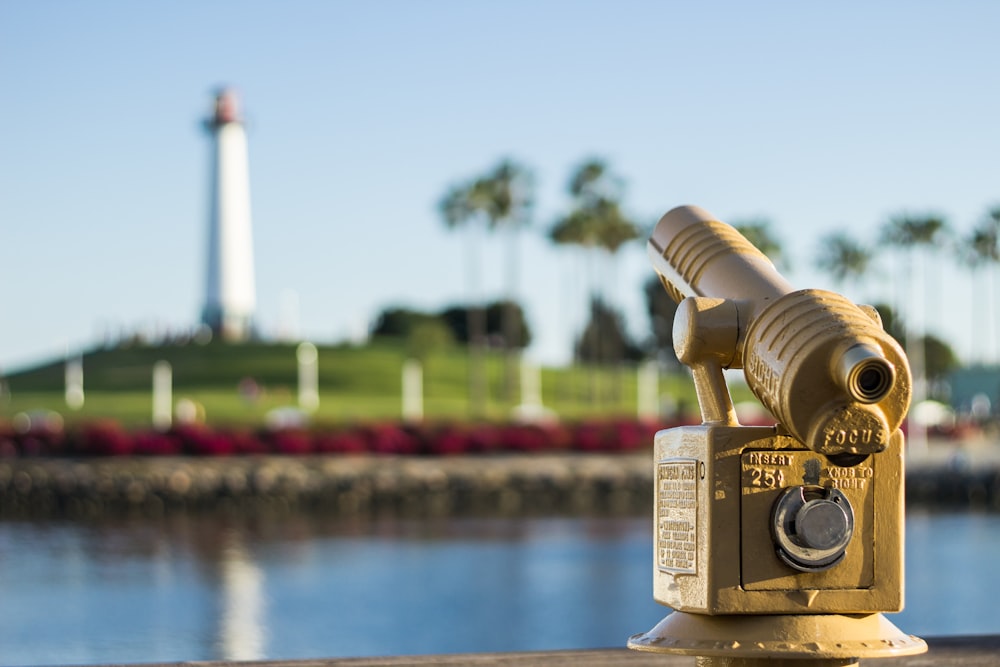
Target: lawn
(241, 384)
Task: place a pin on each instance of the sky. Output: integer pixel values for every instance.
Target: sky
(816, 116)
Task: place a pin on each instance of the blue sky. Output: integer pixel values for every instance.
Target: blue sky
(818, 116)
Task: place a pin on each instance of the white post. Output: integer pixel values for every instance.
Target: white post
(531, 384)
(308, 358)
(74, 383)
(648, 384)
(413, 390)
(163, 399)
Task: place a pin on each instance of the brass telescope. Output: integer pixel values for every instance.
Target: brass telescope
(820, 364)
(776, 544)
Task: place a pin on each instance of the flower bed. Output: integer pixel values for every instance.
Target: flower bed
(108, 438)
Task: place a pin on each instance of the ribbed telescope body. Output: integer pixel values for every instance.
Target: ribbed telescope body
(823, 366)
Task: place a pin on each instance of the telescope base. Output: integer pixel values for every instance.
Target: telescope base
(806, 640)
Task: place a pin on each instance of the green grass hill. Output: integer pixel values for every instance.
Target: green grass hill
(243, 383)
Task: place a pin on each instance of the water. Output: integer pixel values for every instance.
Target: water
(201, 589)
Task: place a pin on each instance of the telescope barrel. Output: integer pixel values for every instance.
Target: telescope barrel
(701, 256)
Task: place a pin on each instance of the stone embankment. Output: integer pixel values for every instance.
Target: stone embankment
(348, 485)
(943, 476)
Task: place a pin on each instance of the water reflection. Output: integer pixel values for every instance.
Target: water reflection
(237, 588)
(242, 618)
(297, 587)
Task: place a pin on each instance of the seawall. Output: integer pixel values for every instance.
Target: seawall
(351, 485)
(408, 486)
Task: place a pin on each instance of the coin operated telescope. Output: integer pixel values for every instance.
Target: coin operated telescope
(776, 545)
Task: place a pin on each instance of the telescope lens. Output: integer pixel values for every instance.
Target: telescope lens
(868, 376)
(872, 381)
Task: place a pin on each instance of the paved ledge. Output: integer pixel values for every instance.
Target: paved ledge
(976, 651)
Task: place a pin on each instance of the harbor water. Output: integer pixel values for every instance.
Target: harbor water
(203, 588)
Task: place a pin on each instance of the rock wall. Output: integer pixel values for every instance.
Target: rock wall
(494, 485)
(503, 485)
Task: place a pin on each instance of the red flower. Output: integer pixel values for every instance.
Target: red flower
(201, 441)
(291, 442)
(389, 440)
(105, 438)
(340, 442)
(151, 443)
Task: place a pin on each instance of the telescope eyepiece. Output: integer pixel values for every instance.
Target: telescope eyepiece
(865, 374)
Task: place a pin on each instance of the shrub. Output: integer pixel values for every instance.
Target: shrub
(152, 443)
(291, 442)
(339, 442)
(108, 438)
(201, 441)
(105, 438)
(388, 439)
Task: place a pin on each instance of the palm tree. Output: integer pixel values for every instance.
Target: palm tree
(502, 198)
(844, 258)
(582, 225)
(459, 210)
(593, 182)
(596, 223)
(910, 233)
(982, 250)
(506, 198)
(758, 232)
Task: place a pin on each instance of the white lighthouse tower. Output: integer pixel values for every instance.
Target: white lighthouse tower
(229, 289)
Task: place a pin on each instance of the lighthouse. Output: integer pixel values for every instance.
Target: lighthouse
(229, 287)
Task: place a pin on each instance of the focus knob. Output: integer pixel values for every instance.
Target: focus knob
(812, 527)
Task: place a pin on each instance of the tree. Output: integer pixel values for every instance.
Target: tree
(399, 322)
(459, 210)
(595, 223)
(891, 322)
(455, 318)
(604, 339)
(596, 220)
(423, 333)
(506, 196)
(940, 358)
(505, 321)
(593, 182)
(661, 309)
(758, 232)
(426, 338)
(503, 198)
(910, 233)
(844, 258)
(981, 250)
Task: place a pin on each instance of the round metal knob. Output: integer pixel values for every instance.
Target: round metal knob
(822, 524)
(812, 527)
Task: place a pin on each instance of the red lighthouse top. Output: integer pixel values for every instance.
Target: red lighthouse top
(227, 107)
